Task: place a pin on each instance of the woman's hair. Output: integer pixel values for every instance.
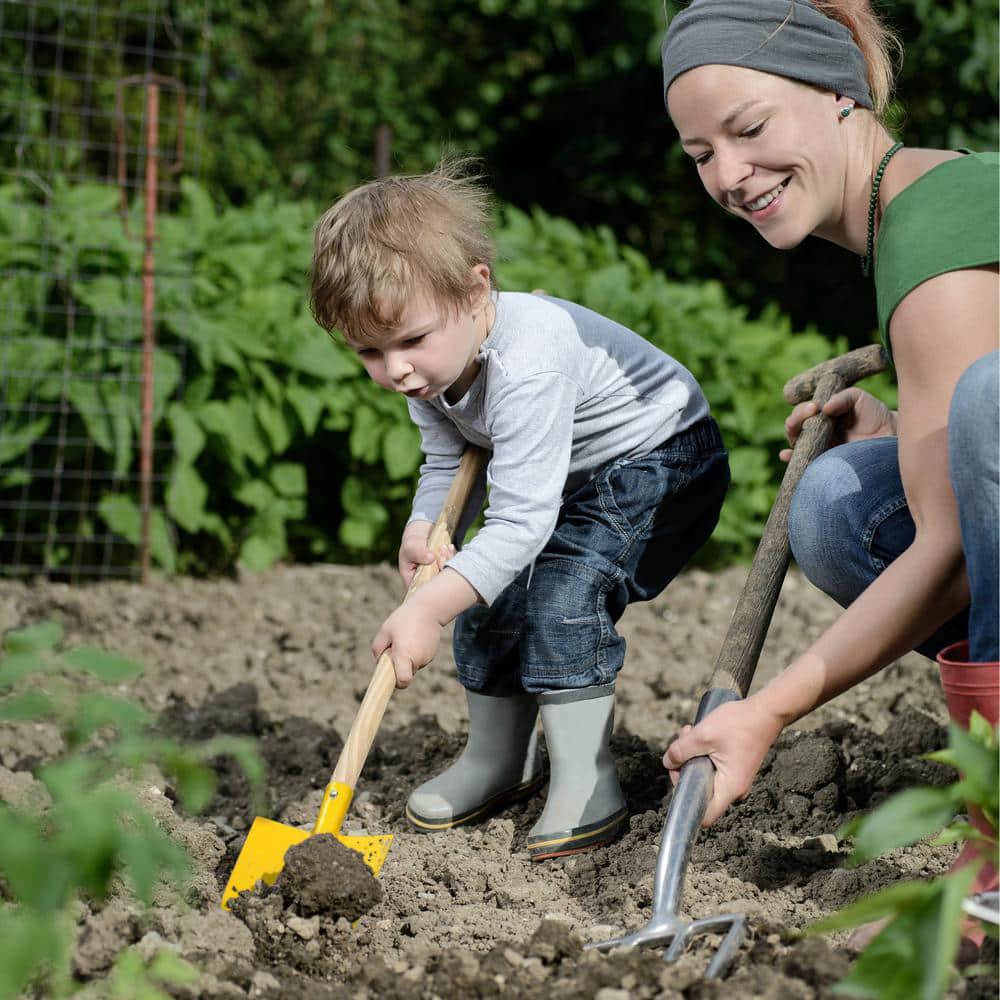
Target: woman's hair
(397, 237)
(880, 48)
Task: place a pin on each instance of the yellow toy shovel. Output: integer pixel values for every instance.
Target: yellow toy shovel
(263, 854)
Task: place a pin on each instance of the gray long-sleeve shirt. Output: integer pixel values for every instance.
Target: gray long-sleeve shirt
(561, 392)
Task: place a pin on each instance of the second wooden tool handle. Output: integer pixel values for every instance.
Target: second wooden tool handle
(748, 627)
(383, 682)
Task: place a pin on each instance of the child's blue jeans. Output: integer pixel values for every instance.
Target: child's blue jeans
(849, 518)
(622, 537)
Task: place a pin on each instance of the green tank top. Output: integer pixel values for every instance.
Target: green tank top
(946, 220)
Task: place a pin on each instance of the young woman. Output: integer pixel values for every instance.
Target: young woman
(778, 103)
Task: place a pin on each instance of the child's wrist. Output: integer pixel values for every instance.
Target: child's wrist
(445, 597)
(418, 526)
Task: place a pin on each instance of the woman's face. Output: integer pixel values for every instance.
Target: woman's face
(768, 149)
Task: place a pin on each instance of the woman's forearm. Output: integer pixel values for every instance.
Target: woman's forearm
(907, 603)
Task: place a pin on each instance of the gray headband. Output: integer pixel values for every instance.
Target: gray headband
(786, 37)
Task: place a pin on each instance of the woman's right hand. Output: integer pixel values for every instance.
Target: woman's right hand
(856, 414)
(736, 737)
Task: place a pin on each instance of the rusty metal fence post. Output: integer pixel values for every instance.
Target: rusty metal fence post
(152, 84)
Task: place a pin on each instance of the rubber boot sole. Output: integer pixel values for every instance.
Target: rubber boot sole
(424, 824)
(579, 839)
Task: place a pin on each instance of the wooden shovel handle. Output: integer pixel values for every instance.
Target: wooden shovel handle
(737, 661)
(383, 682)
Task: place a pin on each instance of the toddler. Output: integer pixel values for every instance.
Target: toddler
(606, 474)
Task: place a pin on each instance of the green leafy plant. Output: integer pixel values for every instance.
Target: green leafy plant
(912, 955)
(86, 829)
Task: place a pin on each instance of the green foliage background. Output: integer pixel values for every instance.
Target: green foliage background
(280, 447)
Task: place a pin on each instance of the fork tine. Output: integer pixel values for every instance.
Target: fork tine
(725, 952)
(678, 944)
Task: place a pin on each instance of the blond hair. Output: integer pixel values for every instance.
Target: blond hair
(881, 49)
(392, 238)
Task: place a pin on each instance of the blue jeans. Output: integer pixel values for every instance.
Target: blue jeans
(849, 518)
(622, 537)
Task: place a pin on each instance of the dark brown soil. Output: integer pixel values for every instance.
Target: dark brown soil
(283, 656)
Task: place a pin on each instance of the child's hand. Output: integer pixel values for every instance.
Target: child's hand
(736, 737)
(413, 550)
(412, 638)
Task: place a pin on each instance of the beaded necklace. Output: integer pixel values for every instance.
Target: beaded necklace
(866, 261)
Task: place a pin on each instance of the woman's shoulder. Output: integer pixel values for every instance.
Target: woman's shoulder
(944, 220)
(923, 167)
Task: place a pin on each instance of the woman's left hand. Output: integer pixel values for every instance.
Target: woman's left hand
(736, 737)
(857, 415)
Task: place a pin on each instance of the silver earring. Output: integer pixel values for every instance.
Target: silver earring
(846, 112)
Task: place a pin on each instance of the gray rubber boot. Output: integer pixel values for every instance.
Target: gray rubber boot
(585, 805)
(499, 765)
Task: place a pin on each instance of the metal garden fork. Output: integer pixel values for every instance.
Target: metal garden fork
(733, 674)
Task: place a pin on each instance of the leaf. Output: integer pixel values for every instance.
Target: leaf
(272, 420)
(198, 207)
(86, 397)
(911, 958)
(358, 534)
(110, 667)
(314, 353)
(975, 758)
(29, 705)
(255, 493)
(242, 749)
(308, 405)
(267, 542)
(17, 665)
(166, 378)
(189, 438)
(234, 422)
(34, 638)
(96, 712)
(186, 496)
(885, 902)
(118, 409)
(902, 820)
(195, 784)
(30, 942)
(16, 440)
(289, 479)
(401, 451)
(366, 435)
(122, 516)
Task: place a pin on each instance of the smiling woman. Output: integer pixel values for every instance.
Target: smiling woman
(778, 103)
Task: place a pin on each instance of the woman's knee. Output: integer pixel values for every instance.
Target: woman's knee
(813, 519)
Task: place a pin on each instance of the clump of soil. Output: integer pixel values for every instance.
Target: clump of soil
(322, 876)
(322, 888)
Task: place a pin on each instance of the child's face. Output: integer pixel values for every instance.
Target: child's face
(433, 351)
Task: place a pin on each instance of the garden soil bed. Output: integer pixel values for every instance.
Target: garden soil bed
(283, 656)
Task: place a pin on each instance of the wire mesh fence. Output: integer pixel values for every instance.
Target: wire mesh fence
(100, 113)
